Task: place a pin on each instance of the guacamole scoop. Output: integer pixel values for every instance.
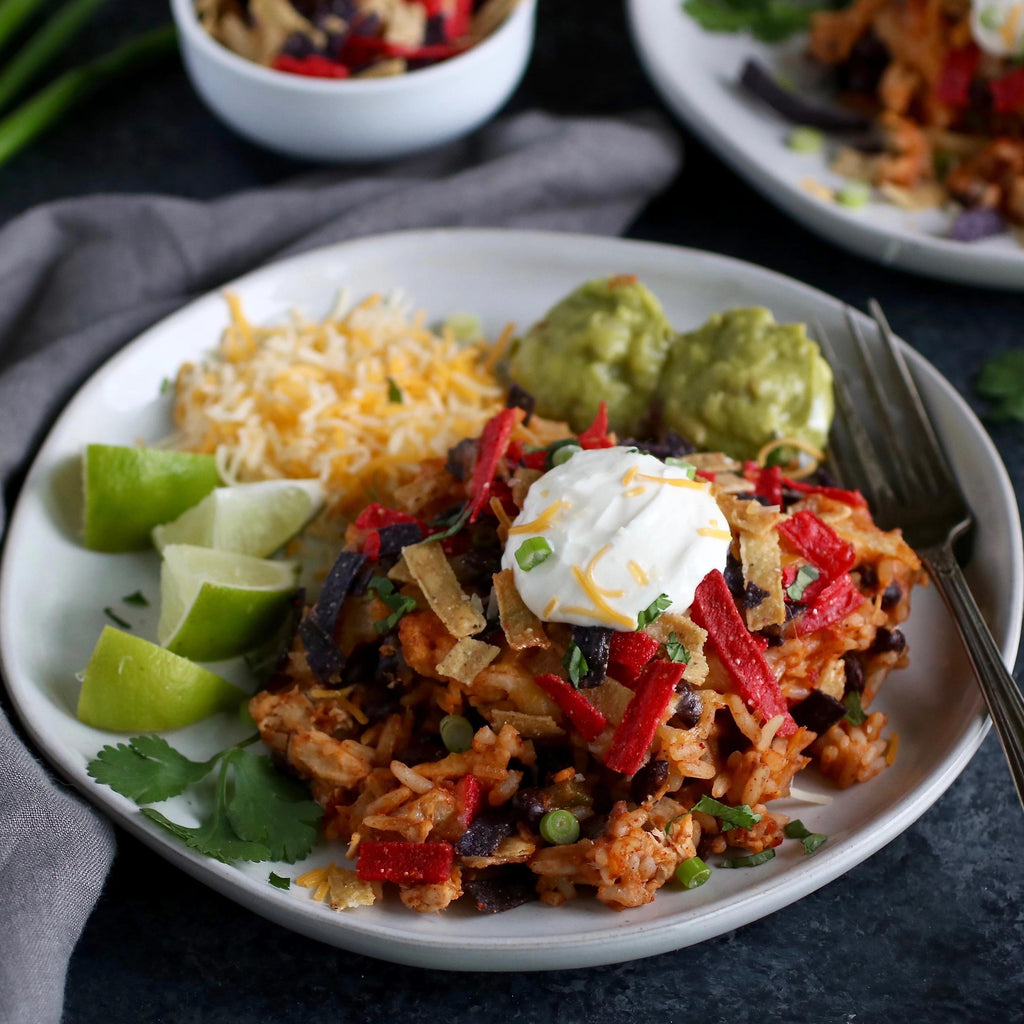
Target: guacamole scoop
(742, 380)
(606, 341)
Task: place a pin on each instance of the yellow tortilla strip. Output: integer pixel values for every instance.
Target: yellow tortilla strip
(762, 565)
(747, 516)
(522, 628)
(399, 572)
(448, 601)
(466, 660)
(529, 727)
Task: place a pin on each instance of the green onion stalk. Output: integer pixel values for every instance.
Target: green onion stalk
(50, 104)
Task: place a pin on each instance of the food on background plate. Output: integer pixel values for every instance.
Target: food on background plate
(350, 38)
(543, 659)
(735, 384)
(931, 100)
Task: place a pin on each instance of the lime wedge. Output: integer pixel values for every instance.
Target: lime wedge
(218, 604)
(128, 491)
(132, 685)
(252, 519)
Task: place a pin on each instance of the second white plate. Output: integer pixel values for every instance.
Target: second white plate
(697, 73)
(934, 705)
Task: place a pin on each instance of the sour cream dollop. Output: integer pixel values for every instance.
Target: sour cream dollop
(623, 529)
(998, 26)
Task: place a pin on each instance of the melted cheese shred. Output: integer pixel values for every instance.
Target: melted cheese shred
(357, 400)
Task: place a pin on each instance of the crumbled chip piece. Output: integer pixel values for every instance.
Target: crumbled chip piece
(467, 659)
(436, 578)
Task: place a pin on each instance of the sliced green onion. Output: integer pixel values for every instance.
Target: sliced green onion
(806, 140)
(740, 816)
(747, 862)
(456, 733)
(692, 872)
(805, 576)
(532, 552)
(563, 454)
(394, 392)
(465, 327)
(47, 106)
(687, 467)
(652, 611)
(575, 664)
(853, 195)
(560, 827)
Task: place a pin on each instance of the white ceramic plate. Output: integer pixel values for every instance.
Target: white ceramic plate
(51, 619)
(697, 73)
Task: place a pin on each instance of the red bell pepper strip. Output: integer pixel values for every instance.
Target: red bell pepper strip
(361, 50)
(313, 66)
(1008, 91)
(854, 498)
(643, 715)
(954, 84)
(819, 544)
(371, 546)
(587, 719)
(374, 516)
(535, 460)
(628, 653)
(405, 863)
(713, 609)
(839, 599)
(494, 442)
(457, 23)
(468, 796)
(789, 575)
(706, 474)
(767, 481)
(596, 435)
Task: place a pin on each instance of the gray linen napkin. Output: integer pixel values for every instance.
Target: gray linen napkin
(81, 277)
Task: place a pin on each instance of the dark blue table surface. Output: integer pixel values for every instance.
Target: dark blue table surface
(929, 929)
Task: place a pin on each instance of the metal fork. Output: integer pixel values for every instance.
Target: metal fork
(899, 465)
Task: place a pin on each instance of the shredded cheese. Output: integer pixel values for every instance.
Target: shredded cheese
(309, 399)
(543, 521)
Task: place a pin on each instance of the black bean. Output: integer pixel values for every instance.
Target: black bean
(853, 663)
(648, 780)
(888, 640)
(299, 45)
(690, 706)
(892, 596)
(422, 750)
(510, 886)
(461, 459)
(595, 644)
(485, 833)
(520, 398)
(751, 496)
(773, 637)
(530, 806)
(818, 712)
(594, 827)
(753, 595)
(868, 577)
(734, 576)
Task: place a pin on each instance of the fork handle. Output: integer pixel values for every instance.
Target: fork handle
(1001, 693)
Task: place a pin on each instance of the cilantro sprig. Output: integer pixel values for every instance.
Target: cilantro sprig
(258, 814)
(399, 604)
(768, 20)
(575, 664)
(740, 816)
(1002, 382)
(653, 610)
(676, 650)
(805, 576)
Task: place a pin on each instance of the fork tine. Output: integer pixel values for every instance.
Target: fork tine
(855, 449)
(936, 468)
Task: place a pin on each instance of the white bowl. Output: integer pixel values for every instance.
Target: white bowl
(356, 119)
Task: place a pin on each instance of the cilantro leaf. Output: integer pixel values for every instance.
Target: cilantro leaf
(279, 881)
(116, 619)
(805, 576)
(810, 841)
(1002, 381)
(575, 663)
(854, 712)
(398, 603)
(394, 392)
(652, 611)
(740, 816)
(271, 809)
(768, 20)
(138, 599)
(147, 769)
(214, 838)
(748, 862)
(676, 650)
